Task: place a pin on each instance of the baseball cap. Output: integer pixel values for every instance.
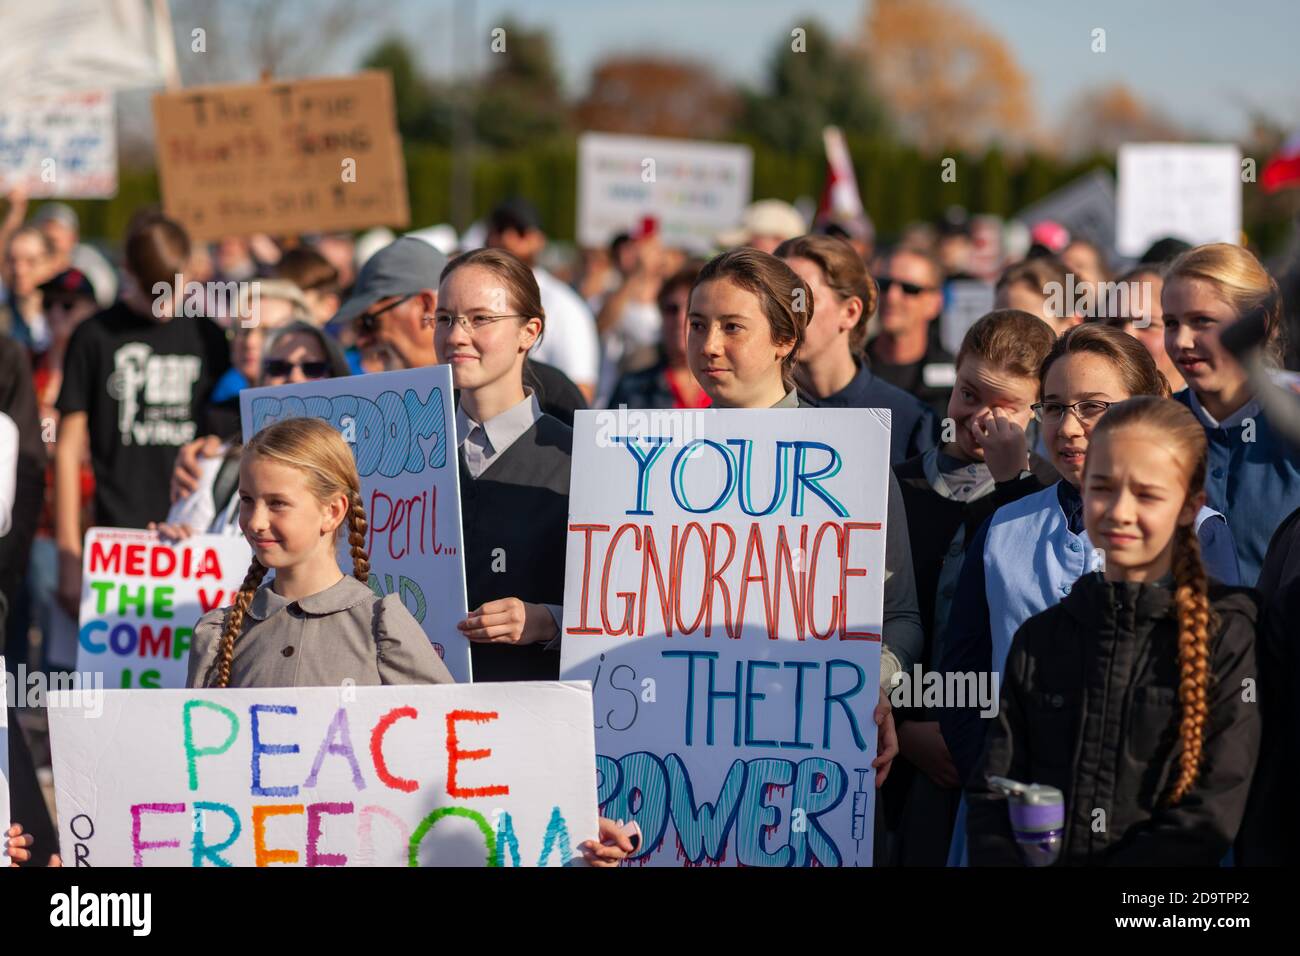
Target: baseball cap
(69, 282)
(402, 267)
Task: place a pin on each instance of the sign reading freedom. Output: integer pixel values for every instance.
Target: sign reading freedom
(723, 594)
(282, 157)
(448, 775)
(401, 429)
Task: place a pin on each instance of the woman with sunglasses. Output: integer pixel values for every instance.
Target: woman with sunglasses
(514, 466)
(1026, 557)
(294, 353)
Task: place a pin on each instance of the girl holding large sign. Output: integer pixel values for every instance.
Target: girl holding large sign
(514, 466)
(747, 318)
(311, 626)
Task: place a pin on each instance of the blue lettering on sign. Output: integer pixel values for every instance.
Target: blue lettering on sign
(386, 431)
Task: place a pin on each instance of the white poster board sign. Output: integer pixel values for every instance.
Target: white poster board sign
(966, 301)
(1191, 191)
(723, 594)
(693, 189)
(448, 775)
(142, 596)
(63, 145)
(402, 430)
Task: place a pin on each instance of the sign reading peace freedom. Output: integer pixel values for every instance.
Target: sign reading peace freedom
(723, 594)
(417, 775)
(402, 431)
(282, 157)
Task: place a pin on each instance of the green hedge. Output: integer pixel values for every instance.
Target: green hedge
(899, 185)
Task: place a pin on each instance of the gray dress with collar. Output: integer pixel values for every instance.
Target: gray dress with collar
(343, 633)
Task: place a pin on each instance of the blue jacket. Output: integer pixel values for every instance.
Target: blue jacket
(913, 426)
(977, 643)
(1255, 483)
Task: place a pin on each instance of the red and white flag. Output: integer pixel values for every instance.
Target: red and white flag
(840, 203)
(1283, 169)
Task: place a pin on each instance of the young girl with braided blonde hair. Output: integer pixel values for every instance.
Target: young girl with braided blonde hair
(1132, 695)
(311, 625)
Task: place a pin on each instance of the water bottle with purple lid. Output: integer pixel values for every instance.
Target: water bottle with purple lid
(1037, 818)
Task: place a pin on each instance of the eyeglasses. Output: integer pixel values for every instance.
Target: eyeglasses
(1052, 413)
(908, 288)
(282, 368)
(369, 321)
(471, 323)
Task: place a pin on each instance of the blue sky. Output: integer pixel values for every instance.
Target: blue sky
(1204, 63)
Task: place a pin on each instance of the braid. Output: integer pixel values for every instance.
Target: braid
(220, 667)
(1194, 623)
(357, 538)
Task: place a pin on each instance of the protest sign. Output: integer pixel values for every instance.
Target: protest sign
(60, 46)
(63, 145)
(141, 597)
(965, 302)
(402, 430)
(723, 594)
(282, 157)
(1084, 206)
(693, 189)
(1191, 191)
(415, 775)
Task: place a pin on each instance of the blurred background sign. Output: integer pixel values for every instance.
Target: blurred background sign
(1188, 190)
(61, 145)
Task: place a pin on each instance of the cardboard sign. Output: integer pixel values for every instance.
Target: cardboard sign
(966, 301)
(283, 158)
(1191, 191)
(723, 594)
(141, 597)
(62, 145)
(401, 427)
(450, 775)
(695, 190)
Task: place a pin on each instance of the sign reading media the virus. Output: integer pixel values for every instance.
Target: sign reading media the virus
(449, 775)
(282, 157)
(141, 597)
(402, 431)
(723, 594)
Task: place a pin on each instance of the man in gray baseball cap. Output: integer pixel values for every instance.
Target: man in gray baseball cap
(395, 290)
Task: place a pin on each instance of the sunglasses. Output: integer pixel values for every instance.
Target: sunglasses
(909, 288)
(283, 368)
(369, 321)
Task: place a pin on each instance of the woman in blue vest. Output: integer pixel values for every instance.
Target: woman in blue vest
(514, 467)
(1028, 554)
(1254, 475)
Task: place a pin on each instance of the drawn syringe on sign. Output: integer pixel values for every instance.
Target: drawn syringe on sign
(860, 822)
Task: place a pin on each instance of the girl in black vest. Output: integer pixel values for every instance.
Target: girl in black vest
(744, 327)
(1133, 695)
(514, 467)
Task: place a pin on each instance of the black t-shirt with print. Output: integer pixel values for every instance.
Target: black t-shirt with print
(142, 384)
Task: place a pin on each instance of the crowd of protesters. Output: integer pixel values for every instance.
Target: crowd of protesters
(1095, 507)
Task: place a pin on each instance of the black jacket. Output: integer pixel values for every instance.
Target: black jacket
(1090, 705)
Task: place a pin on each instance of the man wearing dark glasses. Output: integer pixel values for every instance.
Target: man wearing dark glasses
(906, 353)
